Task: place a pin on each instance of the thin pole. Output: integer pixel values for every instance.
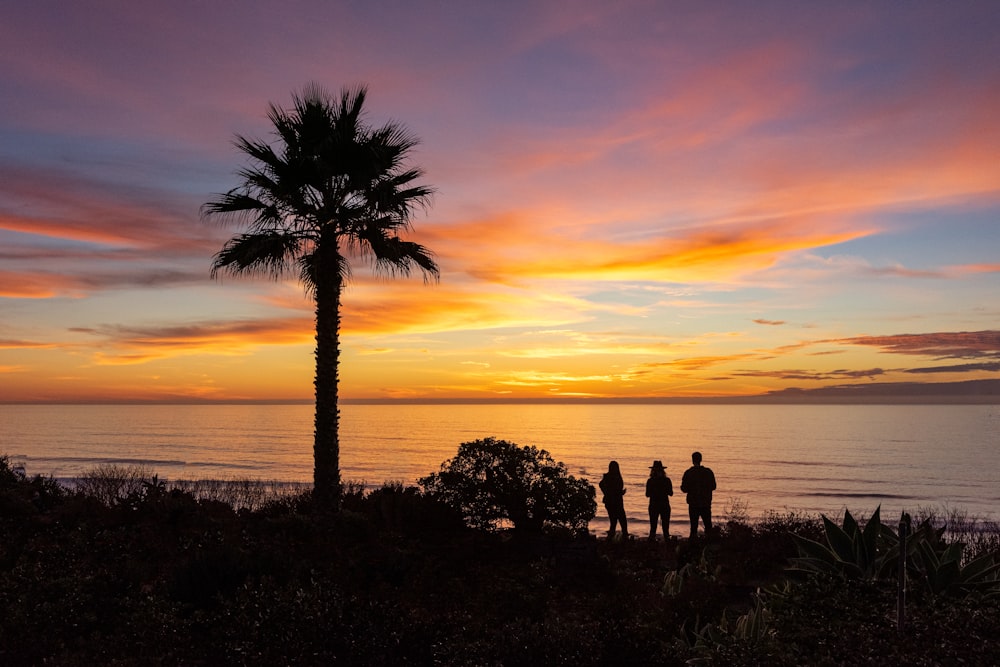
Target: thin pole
(904, 529)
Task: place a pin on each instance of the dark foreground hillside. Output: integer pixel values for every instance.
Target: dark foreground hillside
(160, 578)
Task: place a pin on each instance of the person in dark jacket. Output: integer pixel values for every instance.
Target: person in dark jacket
(699, 483)
(613, 487)
(659, 488)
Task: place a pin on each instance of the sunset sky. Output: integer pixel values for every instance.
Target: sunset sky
(632, 198)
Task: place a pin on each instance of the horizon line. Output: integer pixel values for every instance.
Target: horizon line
(942, 399)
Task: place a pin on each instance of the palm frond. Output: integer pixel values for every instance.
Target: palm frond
(394, 256)
(350, 109)
(261, 181)
(392, 142)
(265, 254)
(257, 150)
(233, 202)
(388, 196)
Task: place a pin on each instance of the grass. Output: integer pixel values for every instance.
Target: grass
(240, 573)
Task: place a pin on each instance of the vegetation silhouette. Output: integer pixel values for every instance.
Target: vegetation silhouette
(333, 188)
(492, 482)
(872, 553)
(154, 574)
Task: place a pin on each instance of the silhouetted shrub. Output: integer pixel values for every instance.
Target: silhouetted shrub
(406, 509)
(114, 484)
(240, 493)
(22, 495)
(352, 495)
(9, 475)
(491, 482)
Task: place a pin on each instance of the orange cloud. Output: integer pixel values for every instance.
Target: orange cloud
(136, 345)
(976, 268)
(79, 282)
(70, 230)
(705, 362)
(832, 174)
(34, 285)
(24, 345)
(71, 207)
(512, 250)
(405, 308)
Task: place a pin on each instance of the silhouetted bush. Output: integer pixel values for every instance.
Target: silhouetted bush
(407, 509)
(20, 494)
(240, 493)
(114, 484)
(9, 475)
(493, 481)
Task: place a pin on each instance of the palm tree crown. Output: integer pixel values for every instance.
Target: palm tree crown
(334, 188)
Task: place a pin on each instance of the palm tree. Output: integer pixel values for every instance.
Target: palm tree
(331, 188)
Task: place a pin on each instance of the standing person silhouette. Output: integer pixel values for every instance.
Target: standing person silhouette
(613, 487)
(659, 488)
(698, 483)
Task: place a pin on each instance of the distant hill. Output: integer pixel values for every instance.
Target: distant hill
(969, 391)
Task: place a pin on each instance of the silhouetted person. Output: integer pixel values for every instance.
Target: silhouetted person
(659, 488)
(698, 483)
(613, 487)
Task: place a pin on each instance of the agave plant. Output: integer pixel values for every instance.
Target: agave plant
(872, 553)
(674, 580)
(850, 552)
(938, 566)
(753, 628)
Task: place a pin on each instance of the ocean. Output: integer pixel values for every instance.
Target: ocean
(803, 458)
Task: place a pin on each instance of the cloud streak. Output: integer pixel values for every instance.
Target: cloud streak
(131, 345)
(939, 345)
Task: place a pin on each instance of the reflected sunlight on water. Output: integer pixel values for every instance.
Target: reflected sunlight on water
(806, 458)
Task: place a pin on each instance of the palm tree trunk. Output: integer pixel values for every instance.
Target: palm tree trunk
(326, 445)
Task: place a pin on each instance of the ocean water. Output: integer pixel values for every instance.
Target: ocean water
(812, 459)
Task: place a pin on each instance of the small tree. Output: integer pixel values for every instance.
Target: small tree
(493, 481)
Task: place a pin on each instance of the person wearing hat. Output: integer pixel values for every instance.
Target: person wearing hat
(659, 488)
